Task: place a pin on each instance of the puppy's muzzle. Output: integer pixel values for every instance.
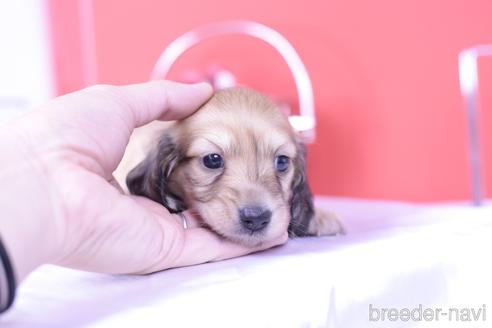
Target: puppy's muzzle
(254, 218)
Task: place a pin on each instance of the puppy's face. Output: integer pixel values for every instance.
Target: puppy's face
(235, 162)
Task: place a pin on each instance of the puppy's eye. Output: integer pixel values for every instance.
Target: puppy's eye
(281, 163)
(213, 161)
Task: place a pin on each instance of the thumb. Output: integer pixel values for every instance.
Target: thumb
(166, 100)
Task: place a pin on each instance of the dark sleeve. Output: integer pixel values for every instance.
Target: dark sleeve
(7, 280)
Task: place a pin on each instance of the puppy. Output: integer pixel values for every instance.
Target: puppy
(240, 166)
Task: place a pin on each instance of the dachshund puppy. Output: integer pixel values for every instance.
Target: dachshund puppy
(239, 165)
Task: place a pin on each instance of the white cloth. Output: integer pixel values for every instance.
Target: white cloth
(395, 255)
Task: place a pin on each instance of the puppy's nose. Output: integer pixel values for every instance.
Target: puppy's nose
(254, 217)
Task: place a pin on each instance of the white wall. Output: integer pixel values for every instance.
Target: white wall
(25, 65)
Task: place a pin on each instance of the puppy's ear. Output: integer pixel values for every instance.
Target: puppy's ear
(305, 219)
(301, 204)
(151, 177)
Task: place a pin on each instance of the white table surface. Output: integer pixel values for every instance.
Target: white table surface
(395, 255)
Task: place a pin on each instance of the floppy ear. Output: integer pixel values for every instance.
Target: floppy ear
(301, 204)
(305, 219)
(151, 177)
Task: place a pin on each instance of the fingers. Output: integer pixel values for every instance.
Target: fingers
(202, 245)
(164, 100)
(199, 245)
(137, 235)
(127, 235)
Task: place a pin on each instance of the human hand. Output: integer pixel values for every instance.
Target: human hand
(60, 199)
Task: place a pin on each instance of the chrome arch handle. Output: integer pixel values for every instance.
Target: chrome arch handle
(304, 123)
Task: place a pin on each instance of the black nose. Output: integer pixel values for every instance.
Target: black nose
(254, 217)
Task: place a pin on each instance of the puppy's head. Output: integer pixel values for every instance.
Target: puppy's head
(237, 163)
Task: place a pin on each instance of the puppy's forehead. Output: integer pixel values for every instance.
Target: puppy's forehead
(227, 139)
(239, 117)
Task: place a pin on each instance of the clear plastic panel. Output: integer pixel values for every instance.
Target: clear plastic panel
(469, 85)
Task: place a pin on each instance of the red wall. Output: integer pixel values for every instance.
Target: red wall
(390, 115)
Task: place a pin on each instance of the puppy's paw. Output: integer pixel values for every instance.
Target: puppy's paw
(325, 224)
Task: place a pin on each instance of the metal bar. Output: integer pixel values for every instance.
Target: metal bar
(469, 85)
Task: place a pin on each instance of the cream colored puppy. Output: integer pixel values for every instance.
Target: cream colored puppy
(239, 165)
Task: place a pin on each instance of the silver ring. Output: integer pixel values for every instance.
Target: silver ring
(183, 218)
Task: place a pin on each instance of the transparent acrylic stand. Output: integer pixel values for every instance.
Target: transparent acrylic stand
(468, 74)
(305, 122)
